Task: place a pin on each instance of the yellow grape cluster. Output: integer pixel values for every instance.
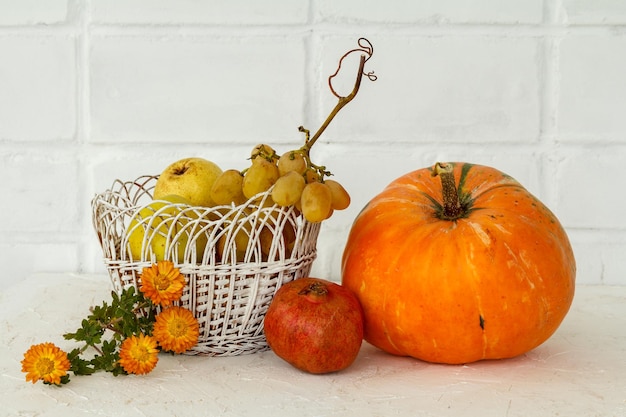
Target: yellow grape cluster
(296, 182)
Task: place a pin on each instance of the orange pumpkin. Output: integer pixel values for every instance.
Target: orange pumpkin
(455, 272)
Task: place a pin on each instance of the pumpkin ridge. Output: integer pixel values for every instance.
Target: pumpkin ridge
(496, 187)
(474, 281)
(436, 205)
(465, 169)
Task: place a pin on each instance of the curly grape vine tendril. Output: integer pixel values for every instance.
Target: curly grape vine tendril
(364, 46)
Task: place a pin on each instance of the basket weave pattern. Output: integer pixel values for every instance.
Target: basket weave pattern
(229, 287)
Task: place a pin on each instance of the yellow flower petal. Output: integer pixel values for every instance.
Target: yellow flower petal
(176, 329)
(45, 362)
(139, 354)
(162, 283)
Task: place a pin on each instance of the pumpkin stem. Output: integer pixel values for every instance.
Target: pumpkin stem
(452, 208)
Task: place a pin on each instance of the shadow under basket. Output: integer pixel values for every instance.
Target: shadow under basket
(234, 258)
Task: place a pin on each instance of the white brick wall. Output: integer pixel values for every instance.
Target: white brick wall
(96, 90)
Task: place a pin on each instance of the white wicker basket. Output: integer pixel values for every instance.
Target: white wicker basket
(229, 298)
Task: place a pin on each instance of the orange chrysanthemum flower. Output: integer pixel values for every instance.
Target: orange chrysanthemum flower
(45, 362)
(176, 329)
(162, 283)
(139, 354)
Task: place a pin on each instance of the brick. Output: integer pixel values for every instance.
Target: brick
(43, 193)
(589, 266)
(588, 195)
(603, 12)
(613, 263)
(38, 100)
(199, 90)
(446, 11)
(32, 12)
(205, 12)
(592, 90)
(440, 88)
(599, 256)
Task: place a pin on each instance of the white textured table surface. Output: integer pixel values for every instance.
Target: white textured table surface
(580, 371)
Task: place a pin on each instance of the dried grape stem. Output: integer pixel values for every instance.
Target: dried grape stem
(343, 100)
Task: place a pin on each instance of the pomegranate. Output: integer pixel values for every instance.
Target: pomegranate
(315, 325)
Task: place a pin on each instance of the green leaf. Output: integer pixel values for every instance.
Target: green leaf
(78, 365)
(128, 313)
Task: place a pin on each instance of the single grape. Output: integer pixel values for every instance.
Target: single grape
(287, 242)
(291, 161)
(263, 151)
(311, 175)
(227, 188)
(261, 175)
(341, 198)
(316, 201)
(288, 189)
